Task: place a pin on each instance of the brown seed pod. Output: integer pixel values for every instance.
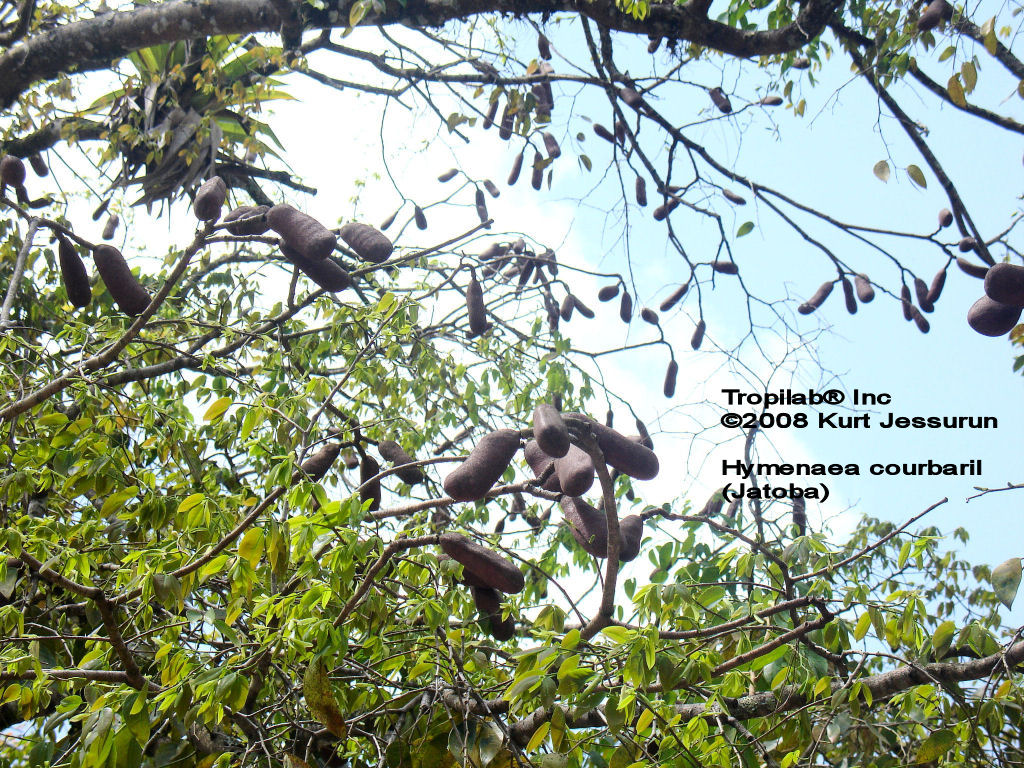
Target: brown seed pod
(73, 273)
(540, 463)
(864, 290)
(472, 479)
(933, 15)
(967, 245)
(620, 131)
(551, 145)
(644, 435)
(304, 234)
(350, 458)
(324, 272)
(481, 205)
(674, 297)
(485, 564)
(652, 46)
(663, 210)
(369, 491)
(632, 98)
(565, 312)
(12, 171)
(128, 293)
(945, 218)
(1005, 283)
(210, 199)
(720, 100)
(517, 167)
(508, 118)
(492, 111)
(575, 471)
(725, 267)
(990, 318)
(38, 165)
(849, 296)
(393, 452)
(801, 63)
(626, 307)
(921, 291)
(800, 514)
(588, 525)
(935, 290)
(919, 320)
(625, 455)
(905, 302)
(732, 197)
(641, 191)
(492, 188)
(608, 292)
(502, 630)
(582, 308)
(817, 299)
(486, 600)
(771, 101)
(538, 172)
(604, 133)
(543, 47)
(519, 246)
(648, 315)
(475, 307)
(526, 269)
(550, 431)
(698, 335)
(256, 226)
(419, 217)
(968, 268)
(110, 228)
(100, 210)
(669, 387)
(317, 464)
(631, 533)
(390, 219)
(448, 175)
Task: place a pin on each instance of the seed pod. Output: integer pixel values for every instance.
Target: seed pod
(849, 296)
(864, 290)
(304, 234)
(641, 191)
(669, 387)
(974, 270)
(538, 172)
(945, 218)
(608, 292)
(817, 299)
(565, 312)
(649, 316)
(481, 205)
(472, 479)
(110, 228)
(257, 226)
(128, 293)
(720, 100)
(419, 217)
(575, 471)
(550, 431)
(524, 275)
(936, 11)
(771, 101)
(905, 301)
(935, 290)
(540, 463)
(631, 532)
(990, 318)
(544, 47)
(517, 167)
(350, 458)
(12, 171)
(698, 335)
(324, 272)
(582, 308)
(626, 307)
(100, 210)
(486, 600)
(921, 290)
(663, 210)
(609, 418)
(475, 307)
(317, 464)
(448, 175)
(502, 630)
(73, 273)
(492, 111)
(967, 244)
(919, 320)
(604, 133)
(588, 525)
(210, 199)
(732, 197)
(632, 98)
(390, 219)
(369, 491)
(508, 118)
(38, 165)
(1005, 283)
(620, 131)
(519, 246)
(801, 63)
(652, 46)
(625, 455)
(674, 297)
(725, 267)
(492, 188)
(393, 452)
(644, 435)
(551, 145)
(485, 564)
(800, 514)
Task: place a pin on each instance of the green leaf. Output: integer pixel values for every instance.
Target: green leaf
(956, 91)
(316, 688)
(551, 760)
(917, 176)
(1006, 579)
(251, 546)
(942, 637)
(881, 170)
(358, 11)
(935, 746)
(217, 409)
(538, 737)
(618, 634)
(745, 228)
(863, 623)
(970, 75)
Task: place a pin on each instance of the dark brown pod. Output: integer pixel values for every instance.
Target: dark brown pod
(519, 246)
(539, 463)
(324, 272)
(620, 131)
(257, 224)
(645, 436)
(448, 175)
(100, 210)
(849, 296)
(817, 299)
(492, 111)
(390, 219)
(945, 218)
(720, 100)
(481, 205)
(517, 167)
(919, 320)
(526, 270)
(582, 308)
(641, 191)
(967, 245)
(485, 564)
(905, 302)
(990, 318)
(565, 312)
(551, 145)
(419, 217)
(369, 491)
(502, 630)
(801, 63)
(626, 307)
(648, 315)
(608, 292)
(725, 267)
(698, 335)
(549, 431)
(733, 198)
(210, 199)
(771, 101)
(486, 600)
(575, 471)
(1005, 283)
(968, 268)
(933, 15)
(674, 297)
(800, 515)
(589, 525)
(350, 458)
(492, 188)
(472, 479)
(110, 227)
(128, 293)
(921, 291)
(864, 290)
(631, 533)
(663, 210)
(935, 290)
(12, 171)
(508, 118)
(669, 387)
(543, 47)
(475, 307)
(73, 273)
(38, 165)
(538, 172)
(604, 133)
(625, 455)
(632, 98)
(317, 464)
(393, 452)
(303, 233)
(652, 46)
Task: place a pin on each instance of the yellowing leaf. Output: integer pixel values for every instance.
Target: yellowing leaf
(217, 409)
(358, 11)
(645, 719)
(316, 687)
(745, 228)
(862, 626)
(538, 737)
(970, 75)
(251, 546)
(917, 176)
(881, 170)
(956, 91)
(1006, 579)
(935, 746)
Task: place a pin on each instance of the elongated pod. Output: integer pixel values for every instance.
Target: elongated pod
(539, 463)
(945, 218)
(537, 179)
(575, 471)
(589, 525)
(481, 205)
(448, 175)
(73, 273)
(492, 188)
(671, 371)
(921, 290)
(604, 133)
(324, 272)
(990, 318)
(368, 243)
(543, 47)
(210, 199)
(674, 297)
(517, 167)
(549, 431)
(303, 233)
(508, 118)
(629, 457)
(475, 307)
(12, 171)
(1005, 283)
(631, 533)
(608, 292)
(393, 452)
(919, 320)
(317, 464)
(626, 307)
(486, 565)
(492, 111)
(733, 198)
(648, 315)
(720, 100)
(632, 98)
(641, 191)
(485, 464)
(725, 267)
(419, 217)
(935, 289)
(256, 224)
(817, 299)
(800, 514)
(905, 303)
(38, 165)
(864, 290)
(129, 295)
(551, 145)
(849, 296)
(110, 227)
(369, 491)
(698, 335)
(970, 268)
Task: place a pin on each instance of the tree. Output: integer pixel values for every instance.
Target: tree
(190, 576)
